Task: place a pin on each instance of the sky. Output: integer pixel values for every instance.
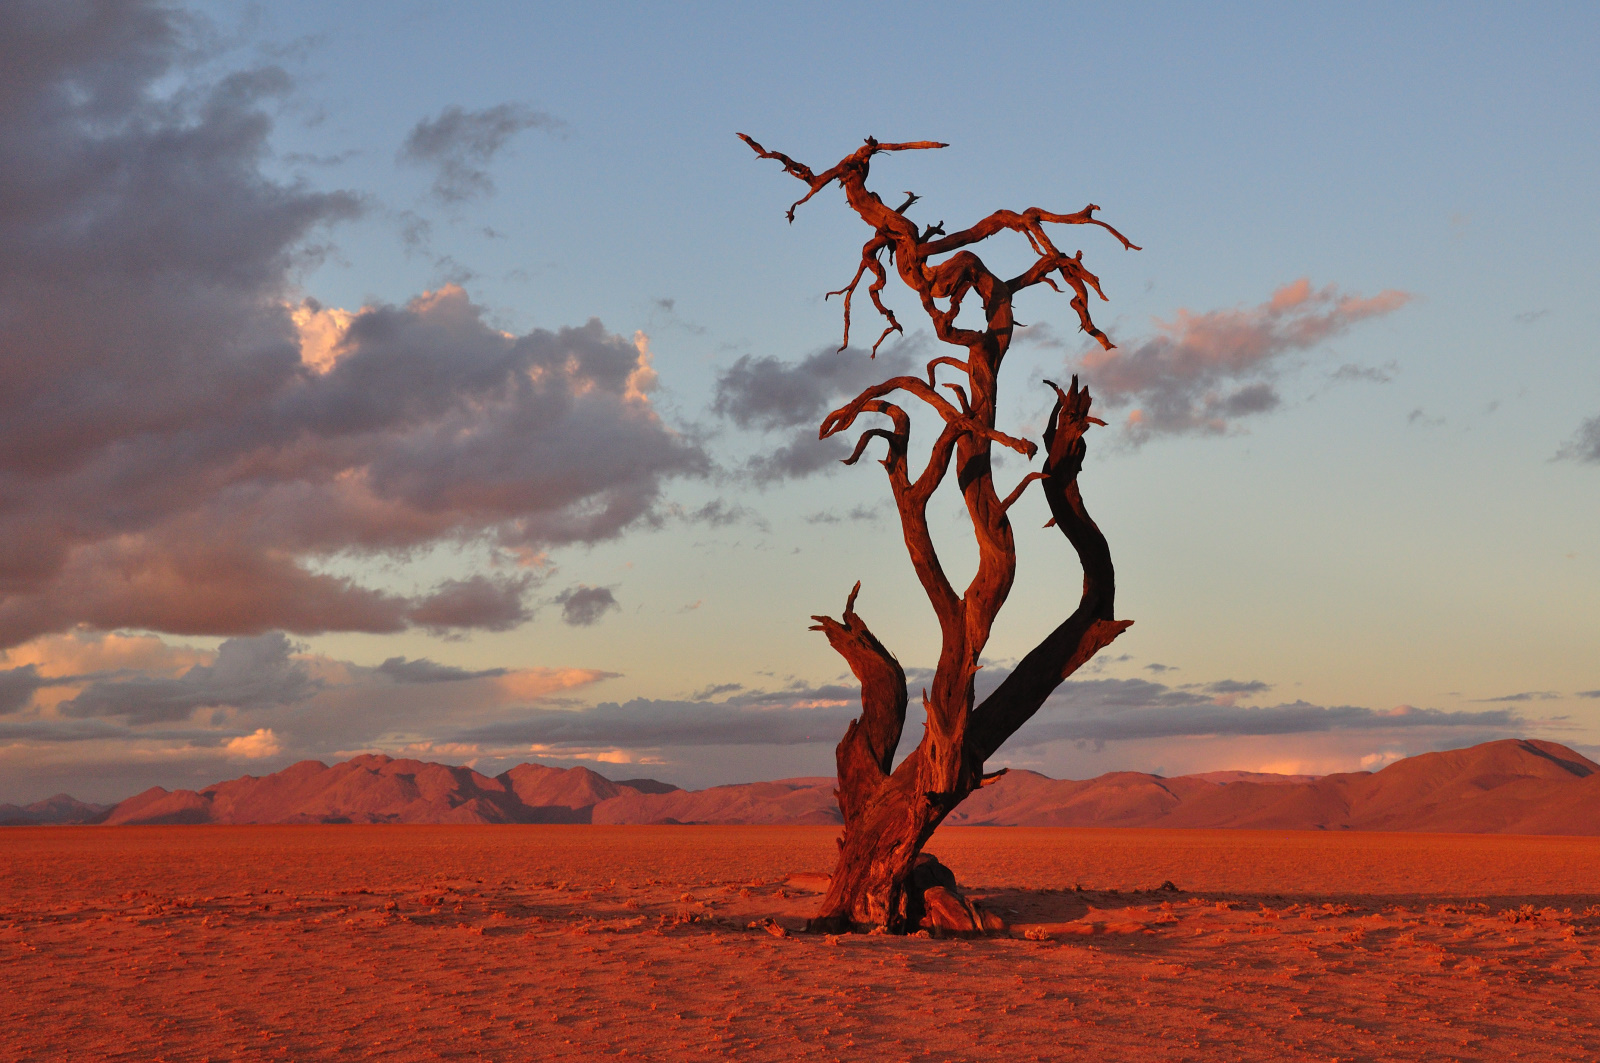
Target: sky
(443, 380)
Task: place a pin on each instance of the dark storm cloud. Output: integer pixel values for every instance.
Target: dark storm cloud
(773, 396)
(460, 144)
(584, 606)
(249, 673)
(180, 445)
(1203, 372)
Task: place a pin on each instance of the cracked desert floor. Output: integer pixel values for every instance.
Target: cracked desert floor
(652, 943)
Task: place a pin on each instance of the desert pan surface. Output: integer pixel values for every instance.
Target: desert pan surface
(685, 943)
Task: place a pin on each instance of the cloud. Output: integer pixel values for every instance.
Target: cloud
(1202, 373)
(720, 514)
(653, 723)
(82, 652)
(459, 145)
(1230, 691)
(249, 673)
(495, 605)
(857, 513)
(1121, 714)
(317, 706)
(17, 687)
(1350, 373)
(169, 715)
(116, 732)
(259, 744)
(423, 670)
(584, 606)
(1235, 686)
(189, 445)
(773, 396)
(1417, 418)
(1094, 710)
(1526, 695)
(1585, 445)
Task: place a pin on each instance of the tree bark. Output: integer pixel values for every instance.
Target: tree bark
(890, 811)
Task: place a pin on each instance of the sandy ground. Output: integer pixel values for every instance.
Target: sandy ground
(512, 943)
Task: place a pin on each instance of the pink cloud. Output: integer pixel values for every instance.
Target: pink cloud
(1202, 372)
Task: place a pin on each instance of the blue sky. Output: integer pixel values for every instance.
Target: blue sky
(1355, 519)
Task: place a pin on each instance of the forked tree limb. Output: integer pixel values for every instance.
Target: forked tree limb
(1028, 222)
(867, 750)
(818, 182)
(1091, 626)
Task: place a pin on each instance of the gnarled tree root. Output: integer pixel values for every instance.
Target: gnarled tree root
(935, 903)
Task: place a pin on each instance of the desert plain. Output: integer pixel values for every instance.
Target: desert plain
(395, 942)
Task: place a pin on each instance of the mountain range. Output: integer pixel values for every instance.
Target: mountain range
(1515, 786)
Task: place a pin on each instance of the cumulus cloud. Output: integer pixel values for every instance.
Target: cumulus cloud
(249, 673)
(186, 443)
(789, 399)
(584, 606)
(1202, 373)
(459, 145)
(1584, 445)
(257, 745)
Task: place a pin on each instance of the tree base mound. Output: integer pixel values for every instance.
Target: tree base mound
(936, 905)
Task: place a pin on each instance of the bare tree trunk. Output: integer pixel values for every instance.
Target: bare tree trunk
(890, 811)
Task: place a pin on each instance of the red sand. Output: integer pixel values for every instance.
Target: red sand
(509, 943)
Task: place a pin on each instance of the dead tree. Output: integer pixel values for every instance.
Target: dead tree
(891, 810)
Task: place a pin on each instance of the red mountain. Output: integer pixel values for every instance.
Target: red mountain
(379, 789)
(1514, 787)
(1508, 787)
(62, 808)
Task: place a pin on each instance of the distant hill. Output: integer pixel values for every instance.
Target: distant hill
(380, 789)
(62, 808)
(1511, 787)
(1508, 787)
